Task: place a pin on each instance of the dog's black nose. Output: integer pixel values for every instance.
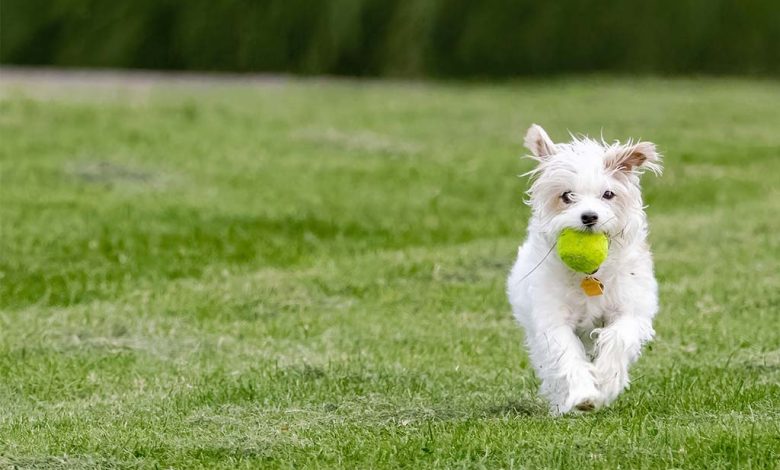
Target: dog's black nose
(589, 218)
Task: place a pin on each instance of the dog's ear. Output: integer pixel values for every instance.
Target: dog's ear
(634, 158)
(538, 142)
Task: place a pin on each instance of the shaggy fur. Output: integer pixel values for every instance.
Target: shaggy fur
(581, 347)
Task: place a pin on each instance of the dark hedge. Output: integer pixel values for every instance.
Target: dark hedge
(490, 38)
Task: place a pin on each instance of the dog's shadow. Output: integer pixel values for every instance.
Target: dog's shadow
(517, 408)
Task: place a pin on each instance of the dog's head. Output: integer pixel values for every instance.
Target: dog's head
(588, 185)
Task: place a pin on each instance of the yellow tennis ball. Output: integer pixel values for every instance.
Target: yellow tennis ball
(582, 251)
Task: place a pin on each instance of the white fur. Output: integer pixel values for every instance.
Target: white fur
(581, 347)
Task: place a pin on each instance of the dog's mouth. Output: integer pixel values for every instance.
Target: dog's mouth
(590, 229)
(600, 226)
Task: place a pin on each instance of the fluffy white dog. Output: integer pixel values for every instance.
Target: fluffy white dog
(582, 345)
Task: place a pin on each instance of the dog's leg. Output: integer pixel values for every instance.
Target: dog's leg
(617, 347)
(566, 374)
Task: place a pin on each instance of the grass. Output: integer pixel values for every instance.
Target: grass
(310, 274)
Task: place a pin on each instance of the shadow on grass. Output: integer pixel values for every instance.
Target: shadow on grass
(516, 408)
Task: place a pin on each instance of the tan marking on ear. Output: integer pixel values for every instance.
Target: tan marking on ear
(631, 157)
(638, 155)
(538, 142)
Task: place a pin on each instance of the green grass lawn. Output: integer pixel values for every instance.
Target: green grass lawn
(304, 273)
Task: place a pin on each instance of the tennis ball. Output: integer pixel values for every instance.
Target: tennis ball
(582, 251)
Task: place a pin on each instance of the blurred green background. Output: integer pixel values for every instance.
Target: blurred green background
(404, 38)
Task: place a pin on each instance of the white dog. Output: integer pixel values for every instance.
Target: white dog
(582, 345)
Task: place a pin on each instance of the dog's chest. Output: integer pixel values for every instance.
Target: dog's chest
(590, 312)
(593, 314)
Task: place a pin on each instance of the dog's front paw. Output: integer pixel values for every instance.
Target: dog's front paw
(589, 404)
(587, 398)
(611, 383)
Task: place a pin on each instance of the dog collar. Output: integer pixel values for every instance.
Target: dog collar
(592, 286)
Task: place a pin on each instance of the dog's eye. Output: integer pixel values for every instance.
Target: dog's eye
(608, 195)
(566, 197)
